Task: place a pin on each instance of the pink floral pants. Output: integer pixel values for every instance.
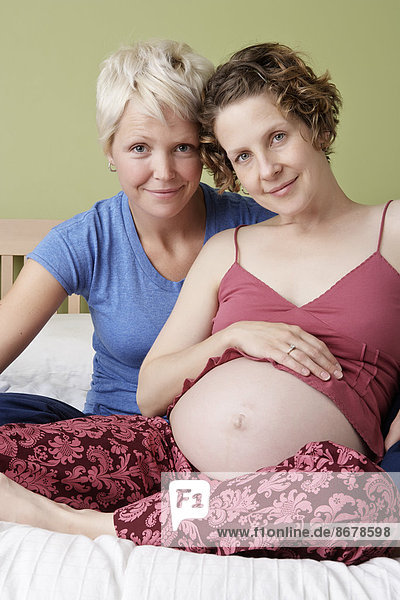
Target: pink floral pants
(114, 464)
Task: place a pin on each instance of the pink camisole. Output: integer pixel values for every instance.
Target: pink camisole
(359, 320)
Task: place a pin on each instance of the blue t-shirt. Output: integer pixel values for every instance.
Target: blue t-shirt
(98, 255)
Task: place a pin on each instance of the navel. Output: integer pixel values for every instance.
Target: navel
(239, 421)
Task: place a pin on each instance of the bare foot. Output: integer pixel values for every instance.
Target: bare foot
(19, 505)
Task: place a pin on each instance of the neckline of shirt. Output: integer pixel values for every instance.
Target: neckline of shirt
(137, 247)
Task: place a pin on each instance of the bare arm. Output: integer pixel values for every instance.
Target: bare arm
(393, 435)
(34, 297)
(185, 343)
(390, 249)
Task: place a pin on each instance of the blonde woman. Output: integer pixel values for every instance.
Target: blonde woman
(128, 255)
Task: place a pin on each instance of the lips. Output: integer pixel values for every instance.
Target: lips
(164, 194)
(283, 187)
(168, 191)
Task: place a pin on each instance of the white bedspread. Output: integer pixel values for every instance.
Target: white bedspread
(39, 565)
(58, 363)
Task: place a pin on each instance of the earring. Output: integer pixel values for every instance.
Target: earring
(112, 168)
(245, 192)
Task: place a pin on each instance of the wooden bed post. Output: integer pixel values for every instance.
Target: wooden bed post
(6, 277)
(17, 238)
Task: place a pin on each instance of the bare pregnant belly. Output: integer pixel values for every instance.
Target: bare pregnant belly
(244, 415)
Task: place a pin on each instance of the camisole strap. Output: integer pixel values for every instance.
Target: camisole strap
(236, 243)
(382, 225)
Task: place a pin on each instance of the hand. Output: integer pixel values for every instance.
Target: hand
(393, 435)
(288, 345)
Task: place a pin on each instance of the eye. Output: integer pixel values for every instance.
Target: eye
(242, 157)
(139, 149)
(183, 148)
(278, 137)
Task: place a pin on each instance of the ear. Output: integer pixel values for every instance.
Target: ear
(109, 157)
(324, 140)
(111, 166)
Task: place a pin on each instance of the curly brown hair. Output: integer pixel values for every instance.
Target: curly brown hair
(297, 91)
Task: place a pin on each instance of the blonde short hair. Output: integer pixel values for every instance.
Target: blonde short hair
(157, 74)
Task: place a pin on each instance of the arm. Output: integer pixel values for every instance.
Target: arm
(393, 435)
(390, 249)
(32, 300)
(185, 343)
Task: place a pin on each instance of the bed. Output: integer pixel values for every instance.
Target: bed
(38, 564)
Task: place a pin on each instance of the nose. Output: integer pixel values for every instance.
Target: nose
(268, 165)
(163, 167)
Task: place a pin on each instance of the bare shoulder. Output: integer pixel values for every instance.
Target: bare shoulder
(393, 211)
(215, 258)
(392, 219)
(221, 246)
(250, 236)
(219, 240)
(374, 213)
(220, 250)
(390, 246)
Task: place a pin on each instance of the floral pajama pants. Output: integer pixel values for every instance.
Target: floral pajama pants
(114, 464)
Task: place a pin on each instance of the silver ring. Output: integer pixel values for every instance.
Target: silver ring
(291, 348)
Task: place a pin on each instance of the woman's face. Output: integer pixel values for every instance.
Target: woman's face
(158, 164)
(272, 156)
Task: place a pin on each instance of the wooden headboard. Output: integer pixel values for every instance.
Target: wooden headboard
(17, 238)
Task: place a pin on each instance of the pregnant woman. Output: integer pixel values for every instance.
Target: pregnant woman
(278, 356)
(325, 264)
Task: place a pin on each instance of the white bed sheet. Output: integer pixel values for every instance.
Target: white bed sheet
(58, 363)
(38, 565)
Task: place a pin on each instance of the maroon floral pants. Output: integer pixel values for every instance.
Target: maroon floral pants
(114, 464)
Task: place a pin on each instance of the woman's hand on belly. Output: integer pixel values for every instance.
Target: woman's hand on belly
(245, 414)
(288, 345)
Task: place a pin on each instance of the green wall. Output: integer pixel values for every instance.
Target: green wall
(51, 164)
